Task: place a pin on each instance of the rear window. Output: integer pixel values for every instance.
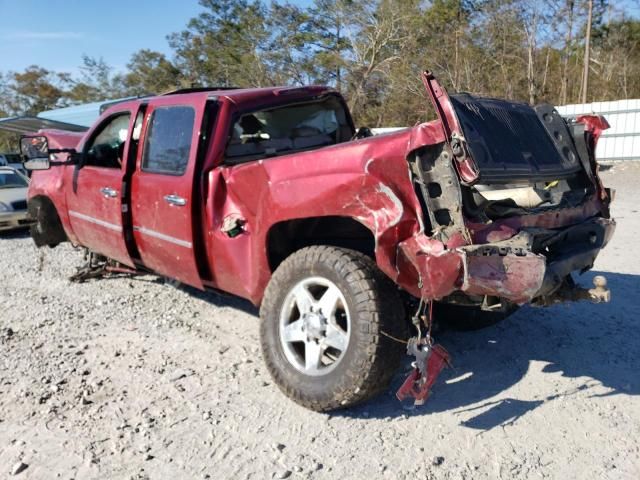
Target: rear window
(288, 129)
(168, 142)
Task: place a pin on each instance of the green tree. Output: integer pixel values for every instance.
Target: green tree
(288, 53)
(34, 90)
(224, 45)
(331, 48)
(97, 82)
(150, 72)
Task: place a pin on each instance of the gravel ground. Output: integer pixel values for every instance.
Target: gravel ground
(133, 378)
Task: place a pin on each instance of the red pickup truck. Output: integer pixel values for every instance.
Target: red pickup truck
(271, 194)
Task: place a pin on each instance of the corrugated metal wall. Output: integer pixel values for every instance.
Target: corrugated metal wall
(622, 140)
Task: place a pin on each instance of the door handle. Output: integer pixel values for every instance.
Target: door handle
(108, 192)
(175, 200)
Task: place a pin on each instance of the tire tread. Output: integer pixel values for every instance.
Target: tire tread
(379, 308)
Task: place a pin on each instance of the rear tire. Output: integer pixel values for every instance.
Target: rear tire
(322, 319)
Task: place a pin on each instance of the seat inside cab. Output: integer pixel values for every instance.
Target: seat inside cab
(288, 129)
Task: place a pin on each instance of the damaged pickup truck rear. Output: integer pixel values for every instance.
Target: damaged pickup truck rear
(272, 195)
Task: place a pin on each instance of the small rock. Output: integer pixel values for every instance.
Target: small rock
(18, 468)
(283, 474)
(44, 397)
(180, 373)
(279, 447)
(437, 461)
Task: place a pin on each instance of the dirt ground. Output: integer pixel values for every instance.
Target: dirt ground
(133, 378)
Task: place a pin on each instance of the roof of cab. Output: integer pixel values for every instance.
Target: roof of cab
(257, 95)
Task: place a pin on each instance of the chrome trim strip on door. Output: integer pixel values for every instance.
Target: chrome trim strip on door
(96, 221)
(162, 236)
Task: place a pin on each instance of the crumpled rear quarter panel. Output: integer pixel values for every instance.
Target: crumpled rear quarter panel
(367, 180)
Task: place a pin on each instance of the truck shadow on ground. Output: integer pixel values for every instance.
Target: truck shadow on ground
(222, 299)
(596, 344)
(15, 233)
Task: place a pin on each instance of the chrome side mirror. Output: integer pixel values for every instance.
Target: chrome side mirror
(35, 152)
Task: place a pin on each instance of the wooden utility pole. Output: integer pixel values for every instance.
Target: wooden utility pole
(587, 45)
(564, 88)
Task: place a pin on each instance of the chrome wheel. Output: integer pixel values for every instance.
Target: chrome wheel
(315, 326)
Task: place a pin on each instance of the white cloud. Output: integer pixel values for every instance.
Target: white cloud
(29, 35)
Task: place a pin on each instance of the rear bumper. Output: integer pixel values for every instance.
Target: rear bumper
(515, 273)
(11, 220)
(511, 269)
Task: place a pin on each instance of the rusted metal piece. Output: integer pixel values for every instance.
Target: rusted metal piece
(516, 278)
(430, 360)
(97, 266)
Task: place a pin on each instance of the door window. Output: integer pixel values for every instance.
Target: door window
(168, 142)
(107, 147)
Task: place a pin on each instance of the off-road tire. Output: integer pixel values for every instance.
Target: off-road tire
(375, 306)
(46, 228)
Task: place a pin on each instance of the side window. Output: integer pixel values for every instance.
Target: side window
(107, 147)
(168, 140)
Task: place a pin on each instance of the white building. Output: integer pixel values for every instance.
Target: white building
(622, 140)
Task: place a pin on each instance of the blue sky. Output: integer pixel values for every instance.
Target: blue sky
(56, 33)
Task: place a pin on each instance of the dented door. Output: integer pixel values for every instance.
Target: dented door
(95, 199)
(163, 199)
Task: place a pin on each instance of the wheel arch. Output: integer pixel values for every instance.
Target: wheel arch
(288, 236)
(47, 228)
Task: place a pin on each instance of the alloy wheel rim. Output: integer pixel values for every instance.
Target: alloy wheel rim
(315, 326)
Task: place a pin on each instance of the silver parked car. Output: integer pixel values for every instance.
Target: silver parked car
(12, 160)
(13, 199)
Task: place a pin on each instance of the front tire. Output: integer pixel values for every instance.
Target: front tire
(47, 228)
(322, 319)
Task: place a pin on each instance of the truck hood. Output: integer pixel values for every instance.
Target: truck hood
(62, 138)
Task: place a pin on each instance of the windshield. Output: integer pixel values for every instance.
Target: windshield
(9, 179)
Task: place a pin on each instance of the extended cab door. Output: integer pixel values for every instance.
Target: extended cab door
(94, 193)
(163, 203)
